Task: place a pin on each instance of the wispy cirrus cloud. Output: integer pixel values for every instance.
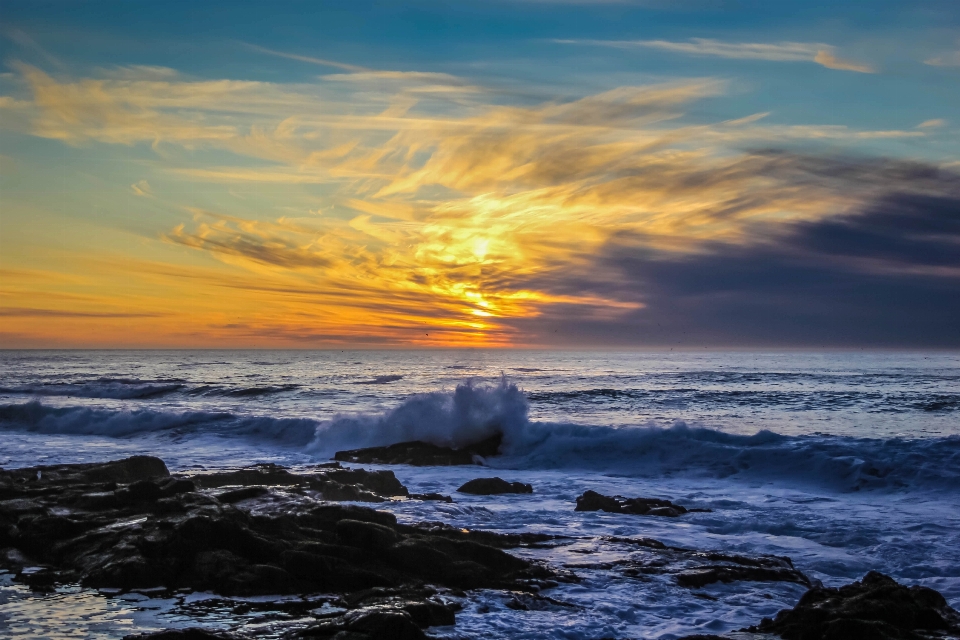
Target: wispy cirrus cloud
(948, 59)
(308, 59)
(820, 53)
(453, 218)
(141, 188)
(830, 61)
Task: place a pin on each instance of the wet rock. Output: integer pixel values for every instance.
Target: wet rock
(641, 542)
(536, 602)
(593, 501)
(177, 533)
(875, 608)
(244, 493)
(493, 486)
(439, 497)
(128, 470)
(374, 623)
(702, 576)
(366, 535)
(424, 454)
(334, 483)
(384, 613)
(192, 633)
(383, 483)
(694, 569)
(490, 538)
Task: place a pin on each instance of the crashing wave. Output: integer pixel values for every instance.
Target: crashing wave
(471, 413)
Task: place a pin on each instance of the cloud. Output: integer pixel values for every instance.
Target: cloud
(255, 241)
(830, 61)
(141, 188)
(777, 52)
(463, 218)
(25, 41)
(932, 124)
(20, 312)
(885, 275)
(309, 59)
(950, 59)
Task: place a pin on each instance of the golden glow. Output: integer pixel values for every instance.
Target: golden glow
(385, 209)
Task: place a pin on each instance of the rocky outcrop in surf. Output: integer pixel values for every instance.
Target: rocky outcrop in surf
(130, 524)
(593, 501)
(494, 486)
(875, 607)
(424, 454)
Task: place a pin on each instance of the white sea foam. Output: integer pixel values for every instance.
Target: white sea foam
(473, 412)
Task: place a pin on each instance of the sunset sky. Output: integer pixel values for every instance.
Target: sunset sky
(530, 173)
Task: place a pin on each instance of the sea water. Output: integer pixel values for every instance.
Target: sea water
(845, 462)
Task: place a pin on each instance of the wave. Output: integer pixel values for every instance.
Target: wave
(381, 379)
(472, 412)
(824, 400)
(105, 388)
(131, 389)
(243, 392)
(35, 417)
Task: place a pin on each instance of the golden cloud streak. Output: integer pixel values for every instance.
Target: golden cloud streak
(451, 216)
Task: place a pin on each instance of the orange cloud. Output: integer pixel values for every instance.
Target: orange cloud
(443, 218)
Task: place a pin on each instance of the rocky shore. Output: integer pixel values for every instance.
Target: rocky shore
(264, 530)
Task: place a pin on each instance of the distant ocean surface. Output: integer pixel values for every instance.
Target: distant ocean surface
(845, 462)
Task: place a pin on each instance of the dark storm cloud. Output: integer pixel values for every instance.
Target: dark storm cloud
(887, 275)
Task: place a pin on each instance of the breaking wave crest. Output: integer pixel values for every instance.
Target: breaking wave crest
(473, 412)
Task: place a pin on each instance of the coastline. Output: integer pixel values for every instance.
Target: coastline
(298, 543)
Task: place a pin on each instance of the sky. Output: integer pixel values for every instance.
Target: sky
(482, 173)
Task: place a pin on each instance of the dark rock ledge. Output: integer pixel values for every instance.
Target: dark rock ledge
(691, 568)
(424, 454)
(593, 501)
(494, 486)
(262, 530)
(874, 608)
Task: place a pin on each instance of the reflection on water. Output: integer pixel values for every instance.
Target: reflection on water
(71, 611)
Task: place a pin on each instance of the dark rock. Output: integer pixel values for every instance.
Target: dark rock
(377, 622)
(489, 538)
(176, 486)
(642, 542)
(536, 602)
(268, 475)
(335, 483)
(372, 623)
(192, 633)
(430, 496)
(703, 576)
(424, 454)
(875, 608)
(126, 471)
(492, 486)
(366, 535)
(244, 493)
(382, 483)
(247, 532)
(694, 569)
(593, 501)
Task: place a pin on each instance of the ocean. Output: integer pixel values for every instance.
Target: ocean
(845, 462)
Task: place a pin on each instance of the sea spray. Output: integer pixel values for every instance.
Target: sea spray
(473, 412)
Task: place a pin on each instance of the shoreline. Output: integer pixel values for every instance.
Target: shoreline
(271, 531)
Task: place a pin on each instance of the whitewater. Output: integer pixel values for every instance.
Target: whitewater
(845, 462)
